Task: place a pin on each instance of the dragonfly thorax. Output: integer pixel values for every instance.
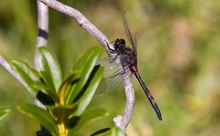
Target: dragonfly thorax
(119, 44)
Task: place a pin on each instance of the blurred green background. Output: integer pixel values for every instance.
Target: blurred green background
(178, 58)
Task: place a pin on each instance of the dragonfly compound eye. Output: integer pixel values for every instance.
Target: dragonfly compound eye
(122, 41)
(117, 44)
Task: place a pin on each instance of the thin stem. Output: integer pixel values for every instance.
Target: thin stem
(123, 121)
(62, 130)
(81, 20)
(42, 29)
(41, 38)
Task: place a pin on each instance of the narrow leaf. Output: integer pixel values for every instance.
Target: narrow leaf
(84, 67)
(42, 116)
(27, 74)
(87, 117)
(3, 112)
(46, 79)
(114, 131)
(46, 90)
(73, 121)
(89, 89)
(66, 86)
(94, 51)
(104, 130)
(117, 132)
(49, 64)
(45, 98)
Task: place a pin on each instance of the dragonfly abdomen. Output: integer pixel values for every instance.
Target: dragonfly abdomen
(149, 96)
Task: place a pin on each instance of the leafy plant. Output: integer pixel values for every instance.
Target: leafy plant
(65, 99)
(3, 112)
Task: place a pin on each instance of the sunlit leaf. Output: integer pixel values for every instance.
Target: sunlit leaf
(84, 68)
(42, 116)
(50, 65)
(46, 79)
(3, 112)
(27, 74)
(88, 116)
(117, 132)
(88, 91)
(68, 84)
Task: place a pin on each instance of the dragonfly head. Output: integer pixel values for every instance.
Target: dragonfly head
(119, 44)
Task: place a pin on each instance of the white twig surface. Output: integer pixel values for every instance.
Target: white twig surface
(41, 41)
(81, 20)
(123, 121)
(120, 121)
(43, 22)
(43, 25)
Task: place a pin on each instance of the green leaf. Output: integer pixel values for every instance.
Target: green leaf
(90, 54)
(104, 130)
(84, 68)
(117, 132)
(45, 98)
(48, 86)
(41, 115)
(73, 121)
(68, 84)
(3, 112)
(62, 113)
(46, 90)
(88, 91)
(46, 79)
(87, 117)
(27, 74)
(114, 131)
(50, 66)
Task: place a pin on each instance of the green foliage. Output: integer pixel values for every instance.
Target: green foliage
(84, 67)
(88, 116)
(65, 99)
(50, 68)
(109, 132)
(3, 112)
(27, 74)
(178, 58)
(41, 115)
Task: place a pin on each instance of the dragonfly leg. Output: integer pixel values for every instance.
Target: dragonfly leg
(110, 50)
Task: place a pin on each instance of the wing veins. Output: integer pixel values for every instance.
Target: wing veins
(128, 32)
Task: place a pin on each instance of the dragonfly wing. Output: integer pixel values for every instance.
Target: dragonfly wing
(128, 32)
(112, 79)
(112, 83)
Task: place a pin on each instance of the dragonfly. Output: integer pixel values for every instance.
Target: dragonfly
(128, 59)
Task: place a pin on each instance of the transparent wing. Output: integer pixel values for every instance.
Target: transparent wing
(128, 32)
(110, 84)
(112, 76)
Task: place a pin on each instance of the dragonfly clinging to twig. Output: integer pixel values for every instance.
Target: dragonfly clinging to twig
(128, 59)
